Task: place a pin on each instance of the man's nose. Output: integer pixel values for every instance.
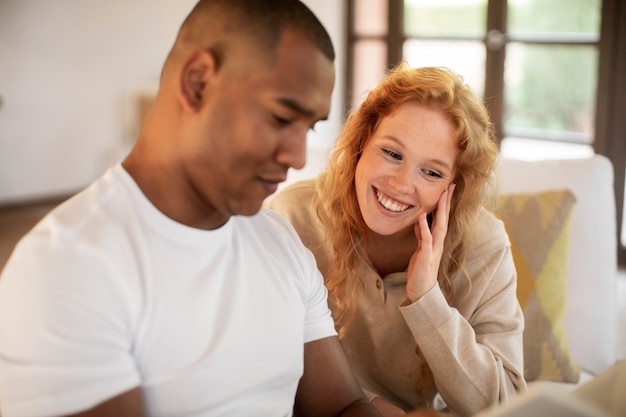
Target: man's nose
(292, 151)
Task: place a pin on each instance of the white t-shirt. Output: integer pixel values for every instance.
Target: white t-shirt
(107, 293)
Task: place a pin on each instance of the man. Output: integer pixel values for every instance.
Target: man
(161, 289)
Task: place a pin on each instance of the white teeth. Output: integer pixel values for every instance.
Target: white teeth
(390, 204)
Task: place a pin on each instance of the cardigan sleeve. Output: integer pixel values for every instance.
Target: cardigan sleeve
(474, 349)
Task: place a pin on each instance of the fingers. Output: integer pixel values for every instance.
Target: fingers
(445, 201)
(451, 188)
(439, 228)
(442, 214)
(422, 231)
(424, 264)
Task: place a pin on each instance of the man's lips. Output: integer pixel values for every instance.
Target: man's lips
(271, 184)
(390, 203)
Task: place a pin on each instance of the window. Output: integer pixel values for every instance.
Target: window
(553, 73)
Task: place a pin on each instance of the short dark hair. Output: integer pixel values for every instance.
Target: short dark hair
(266, 20)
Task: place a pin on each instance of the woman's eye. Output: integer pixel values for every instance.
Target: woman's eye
(431, 173)
(393, 154)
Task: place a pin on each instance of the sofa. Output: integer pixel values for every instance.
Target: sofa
(589, 320)
(560, 215)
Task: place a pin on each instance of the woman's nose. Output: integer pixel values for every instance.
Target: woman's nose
(403, 179)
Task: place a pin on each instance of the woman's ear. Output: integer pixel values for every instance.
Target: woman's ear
(196, 76)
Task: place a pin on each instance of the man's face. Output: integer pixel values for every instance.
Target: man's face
(254, 127)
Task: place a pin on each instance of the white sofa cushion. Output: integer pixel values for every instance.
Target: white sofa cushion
(590, 318)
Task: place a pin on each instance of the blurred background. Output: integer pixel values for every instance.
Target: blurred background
(77, 75)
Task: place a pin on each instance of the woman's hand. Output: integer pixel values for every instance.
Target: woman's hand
(387, 409)
(424, 263)
(427, 412)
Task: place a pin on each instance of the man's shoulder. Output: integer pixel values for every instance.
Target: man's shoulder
(97, 199)
(81, 224)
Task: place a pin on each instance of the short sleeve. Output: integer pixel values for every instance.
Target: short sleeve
(318, 319)
(87, 351)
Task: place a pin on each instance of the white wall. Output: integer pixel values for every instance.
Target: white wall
(71, 72)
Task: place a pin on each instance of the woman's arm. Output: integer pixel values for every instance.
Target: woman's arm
(473, 348)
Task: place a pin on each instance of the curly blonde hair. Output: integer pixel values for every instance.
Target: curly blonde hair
(338, 208)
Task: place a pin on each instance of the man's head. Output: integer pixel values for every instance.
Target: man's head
(244, 82)
(261, 21)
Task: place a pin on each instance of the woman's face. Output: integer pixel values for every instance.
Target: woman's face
(405, 167)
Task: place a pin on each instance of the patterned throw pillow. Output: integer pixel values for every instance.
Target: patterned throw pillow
(539, 228)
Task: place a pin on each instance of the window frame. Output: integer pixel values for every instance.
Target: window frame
(610, 124)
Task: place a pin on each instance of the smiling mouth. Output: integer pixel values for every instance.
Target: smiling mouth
(390, 204)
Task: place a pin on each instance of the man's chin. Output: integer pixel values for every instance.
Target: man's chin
(249, 209)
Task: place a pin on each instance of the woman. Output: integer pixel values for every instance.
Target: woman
(420, 275)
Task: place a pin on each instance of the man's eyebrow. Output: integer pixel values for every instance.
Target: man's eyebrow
(298, 108)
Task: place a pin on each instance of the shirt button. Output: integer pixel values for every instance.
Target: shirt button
(379, 284)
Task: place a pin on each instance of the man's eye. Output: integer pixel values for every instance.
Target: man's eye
(393, 154)
(281, 120)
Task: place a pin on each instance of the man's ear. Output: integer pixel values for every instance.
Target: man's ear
(196, 76)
